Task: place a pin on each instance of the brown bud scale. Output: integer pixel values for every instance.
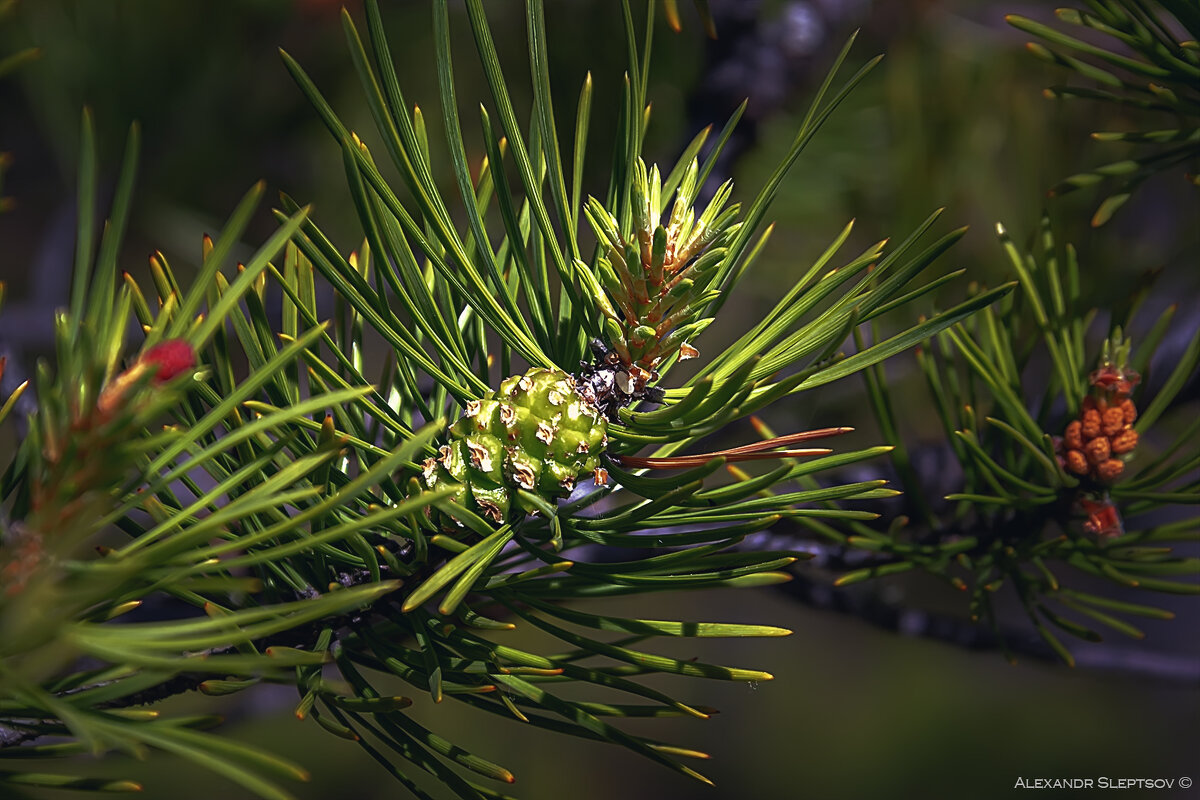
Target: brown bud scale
(1112, 421)
(1125, 441)
(1097, 450)
(1110, 470)
(1073, 438)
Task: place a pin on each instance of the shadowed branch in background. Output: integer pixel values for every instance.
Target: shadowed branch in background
(873, 606)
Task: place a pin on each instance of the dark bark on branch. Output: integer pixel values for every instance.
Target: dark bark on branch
(866, 604)
(11, 737)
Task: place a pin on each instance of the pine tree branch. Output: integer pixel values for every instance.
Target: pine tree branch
(12, 737)
(301, 637)
(871, 607)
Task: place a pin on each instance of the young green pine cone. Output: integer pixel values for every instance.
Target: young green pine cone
(535, 433)
(656, 277)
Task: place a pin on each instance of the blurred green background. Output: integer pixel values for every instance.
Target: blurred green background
(953, 117)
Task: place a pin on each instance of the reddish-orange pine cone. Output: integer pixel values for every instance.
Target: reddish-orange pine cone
(1092, 444)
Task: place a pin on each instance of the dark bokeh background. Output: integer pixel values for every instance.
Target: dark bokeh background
(953, 117)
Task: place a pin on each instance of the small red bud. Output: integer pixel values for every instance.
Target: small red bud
(1103, 519)
(172, 357)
